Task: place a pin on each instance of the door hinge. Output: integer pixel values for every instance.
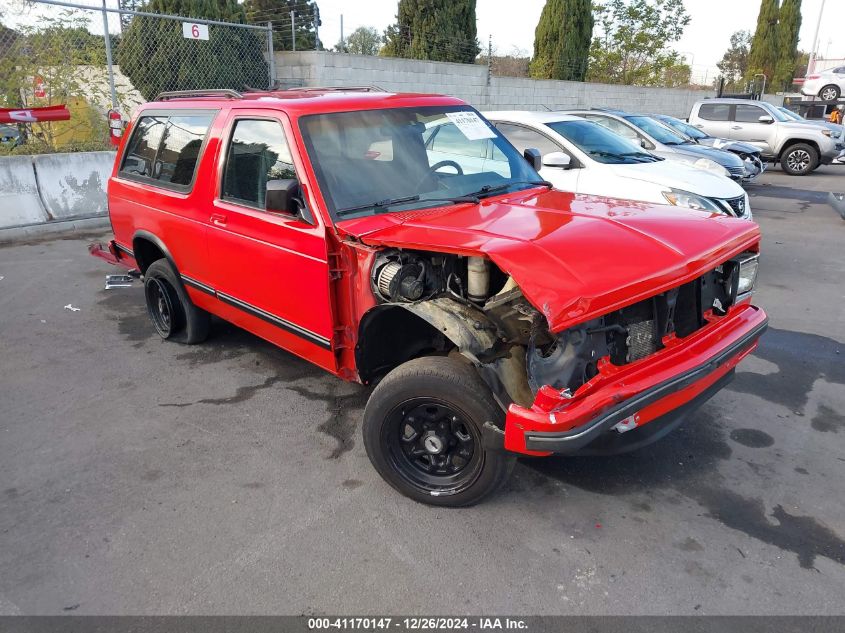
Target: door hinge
(337, 267)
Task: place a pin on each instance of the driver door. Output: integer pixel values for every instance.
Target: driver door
(270, 268)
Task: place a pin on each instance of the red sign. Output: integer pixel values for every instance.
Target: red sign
(34, 115)
(38, 87)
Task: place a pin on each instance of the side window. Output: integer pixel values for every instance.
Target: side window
(714, 111)
(522, 138)
(749, 114)
(167, 148)
(143, 146)
(179, 153)
(258, 152)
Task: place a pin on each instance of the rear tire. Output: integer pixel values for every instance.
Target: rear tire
(829, 93)
(799, 159)
(174, 315)
(423, 433)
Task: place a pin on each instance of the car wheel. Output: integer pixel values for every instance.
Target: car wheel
(829, 93)
(799, 159)
(423, 433)
(171, 310)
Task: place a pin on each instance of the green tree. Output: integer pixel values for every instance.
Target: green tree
(734, 64)
(305, 23)
(365, 40)
(156, 57)
(562, 40)
(633, 45)
(438, 30)
(789, 23)
(763, 56)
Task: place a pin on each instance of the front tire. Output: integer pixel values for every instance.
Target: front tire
(423, 433)
(799, 159)
(829, 93)
(174, 315)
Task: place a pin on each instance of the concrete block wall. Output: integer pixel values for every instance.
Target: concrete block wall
(53, 187)
(469, 82)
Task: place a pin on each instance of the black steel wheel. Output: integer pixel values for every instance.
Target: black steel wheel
(162, 302)
(423, 432)
(431, 444)
(174, 315)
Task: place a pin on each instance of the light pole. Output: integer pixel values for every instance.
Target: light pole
(811, 64)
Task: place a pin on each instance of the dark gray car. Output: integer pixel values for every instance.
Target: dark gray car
(663, 141)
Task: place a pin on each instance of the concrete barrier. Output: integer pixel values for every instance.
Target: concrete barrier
(20, 203)
(74, 185)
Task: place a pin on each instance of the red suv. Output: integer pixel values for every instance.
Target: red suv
(398, 240)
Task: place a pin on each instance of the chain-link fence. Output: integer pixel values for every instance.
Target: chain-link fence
(98, 58)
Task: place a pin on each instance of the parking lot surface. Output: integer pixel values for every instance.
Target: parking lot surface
(143, 477)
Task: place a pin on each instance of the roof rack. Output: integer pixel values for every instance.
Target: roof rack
(189, 94)
(337, 89)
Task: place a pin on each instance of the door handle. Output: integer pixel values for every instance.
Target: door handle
(736, 127)
(217, 219)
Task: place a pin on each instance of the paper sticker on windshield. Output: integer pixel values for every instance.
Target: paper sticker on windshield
(471, 125)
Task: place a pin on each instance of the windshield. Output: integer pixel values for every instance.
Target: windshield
(657, 130)
(376, 161)
(683, 128)
(601, 144)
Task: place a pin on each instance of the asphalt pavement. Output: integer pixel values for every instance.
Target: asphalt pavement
(143, 477)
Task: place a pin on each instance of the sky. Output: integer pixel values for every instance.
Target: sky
(705, 39)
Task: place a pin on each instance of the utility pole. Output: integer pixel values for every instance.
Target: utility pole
(316, 27)
(293, 31)
(811, 65)
(342, 45)
(489, 57)
(108, 57)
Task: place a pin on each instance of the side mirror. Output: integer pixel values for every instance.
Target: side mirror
(644, 143)
(557, 159)
(766, 119)
(534, 158)
(282, 196)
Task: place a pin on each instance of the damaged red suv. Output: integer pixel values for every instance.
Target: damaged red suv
(398, 240)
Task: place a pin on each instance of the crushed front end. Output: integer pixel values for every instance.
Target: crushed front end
(625, 379)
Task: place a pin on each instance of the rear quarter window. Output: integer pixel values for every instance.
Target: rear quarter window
(165, 148)
(714, 111)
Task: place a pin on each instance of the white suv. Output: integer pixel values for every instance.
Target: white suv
(582, 156)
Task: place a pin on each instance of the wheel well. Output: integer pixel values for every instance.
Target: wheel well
(146, 252)
(796, 141)
(391, 335)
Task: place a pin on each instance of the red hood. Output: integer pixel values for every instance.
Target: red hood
(574, 257)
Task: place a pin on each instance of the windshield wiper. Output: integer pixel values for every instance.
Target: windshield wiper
(488, 190)
(381, 206)
(635, 155)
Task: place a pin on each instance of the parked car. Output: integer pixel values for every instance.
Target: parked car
(800, 148)
(837, 130)
(584, 157)
(493, 315)
(749, 154)
(827, 84)
(663, 141)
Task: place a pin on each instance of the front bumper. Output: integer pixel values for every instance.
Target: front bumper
(638, 393)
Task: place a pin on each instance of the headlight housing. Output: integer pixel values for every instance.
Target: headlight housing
(712, 166)
(681, 198)
(831, 133)
(747, 276)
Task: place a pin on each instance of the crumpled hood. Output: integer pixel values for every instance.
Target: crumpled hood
(729, 145)
(694, 151)
(574, 257)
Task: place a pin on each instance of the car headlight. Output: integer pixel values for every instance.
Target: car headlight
(712, 166)
(747, 275)
(831, 133)
(680, 198)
